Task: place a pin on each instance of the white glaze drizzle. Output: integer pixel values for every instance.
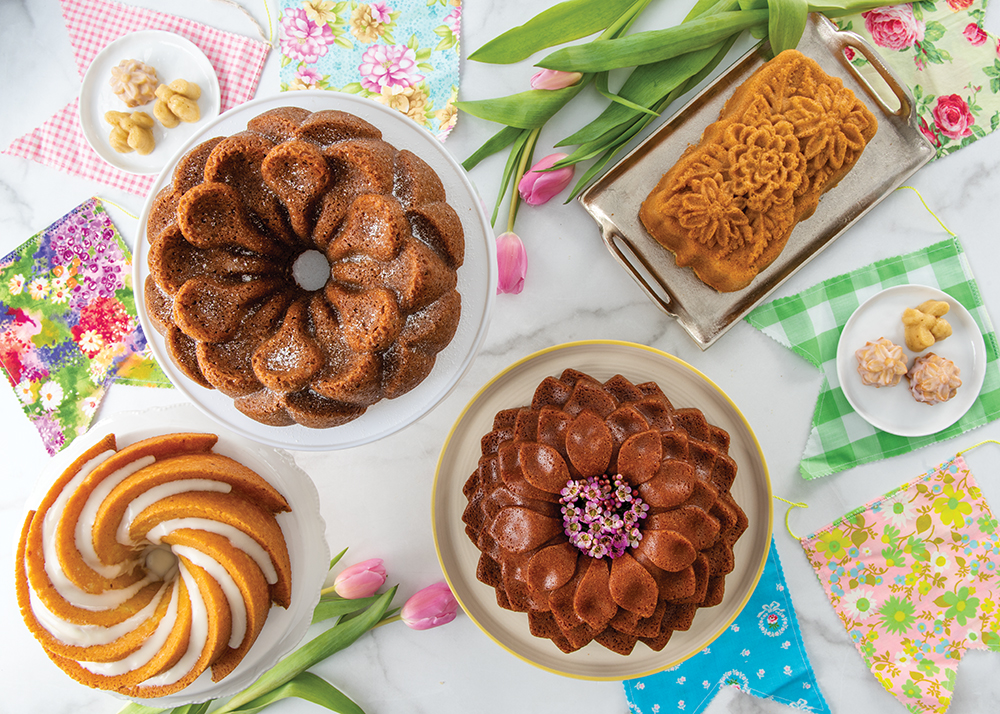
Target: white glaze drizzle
(197, 640)
(106, 600)
(238, 538)
(237, 605)
(158, 493)
(84, 536)
(153, 644)
(90, 635)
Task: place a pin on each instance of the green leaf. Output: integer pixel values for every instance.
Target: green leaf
(839, 8)
(336, 558)
(498, 142)
(646, 86)
(601, 84)
(858, 537)
(343, 42)
(933, 31)
(333, 640)
(352, 88)
(513, 161)
(337, 606)
(991, 640)
(309, 687)
(525, 110)
(654, 45)
(564, 22)
(786, 22)
(199, 708)
(135, 708)
(923, 523)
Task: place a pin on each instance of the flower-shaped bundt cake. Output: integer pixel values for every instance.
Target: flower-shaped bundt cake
(226, 286)
(604, 513)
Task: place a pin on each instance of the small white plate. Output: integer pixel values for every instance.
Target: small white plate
(303, 526)
(173, 57)
(602, 359)
(893, 409)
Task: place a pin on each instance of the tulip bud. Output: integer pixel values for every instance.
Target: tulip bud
(512, 262)
(537, 185)
(361, 580)
(430, 607)
(554, 79)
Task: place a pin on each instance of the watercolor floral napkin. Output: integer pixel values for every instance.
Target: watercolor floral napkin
(402, 53)
(94, 24)
(914, 577)
(941, 52)
(810, 322)
(761, 654)
(68, 325)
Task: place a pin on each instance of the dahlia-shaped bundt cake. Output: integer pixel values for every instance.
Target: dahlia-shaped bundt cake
(604, 513)
(227, 289)
(143, 567)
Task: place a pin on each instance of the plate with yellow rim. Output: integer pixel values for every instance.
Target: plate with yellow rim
(685, 387)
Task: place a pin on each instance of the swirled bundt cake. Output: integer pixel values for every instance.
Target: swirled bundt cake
(228, 291)
(145, 566)
(604, 513)
(788, 134)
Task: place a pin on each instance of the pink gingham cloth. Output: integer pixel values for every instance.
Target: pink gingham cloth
(92, 25)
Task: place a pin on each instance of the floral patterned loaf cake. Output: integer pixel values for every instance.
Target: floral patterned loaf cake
(727, 207)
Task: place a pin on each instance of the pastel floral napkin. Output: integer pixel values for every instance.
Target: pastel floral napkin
(914, 577)
(761, 654)
(68, 325)
(92, 25)
(810, 324)
(402, 53)
(941, 51)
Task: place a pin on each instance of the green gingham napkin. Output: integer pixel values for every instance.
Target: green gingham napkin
(810, 324)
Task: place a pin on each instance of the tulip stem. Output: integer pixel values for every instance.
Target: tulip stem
(386, 621)
(515, 196)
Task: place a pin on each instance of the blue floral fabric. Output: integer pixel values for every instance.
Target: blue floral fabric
(401, 53)
(761, 654)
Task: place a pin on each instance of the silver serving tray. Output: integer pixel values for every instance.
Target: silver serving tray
(896, 152)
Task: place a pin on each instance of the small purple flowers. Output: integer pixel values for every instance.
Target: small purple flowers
(601, 515)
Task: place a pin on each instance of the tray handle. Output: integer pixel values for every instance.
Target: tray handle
(614, 240)
(842, 39)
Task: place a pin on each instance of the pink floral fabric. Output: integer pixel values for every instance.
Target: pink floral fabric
(68, 325)
(915, 578)
(401, 53)
(950, 63)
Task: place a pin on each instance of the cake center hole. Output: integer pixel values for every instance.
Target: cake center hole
(311, 270)
(160, 560)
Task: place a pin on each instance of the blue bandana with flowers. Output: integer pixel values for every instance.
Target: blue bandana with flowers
(761, 654)
(402, 53)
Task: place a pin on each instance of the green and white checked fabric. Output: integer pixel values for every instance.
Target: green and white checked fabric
(810, 324)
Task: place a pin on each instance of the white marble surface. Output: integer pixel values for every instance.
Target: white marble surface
(376, 499)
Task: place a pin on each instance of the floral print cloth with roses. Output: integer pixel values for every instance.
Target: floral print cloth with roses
(942, 53)
(915, 578)
(402, 53)
(68, 325)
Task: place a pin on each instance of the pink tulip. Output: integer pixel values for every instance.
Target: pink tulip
(538, 185)
(512, 261)
(554, 79)
(361, 580)
(430, 607)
